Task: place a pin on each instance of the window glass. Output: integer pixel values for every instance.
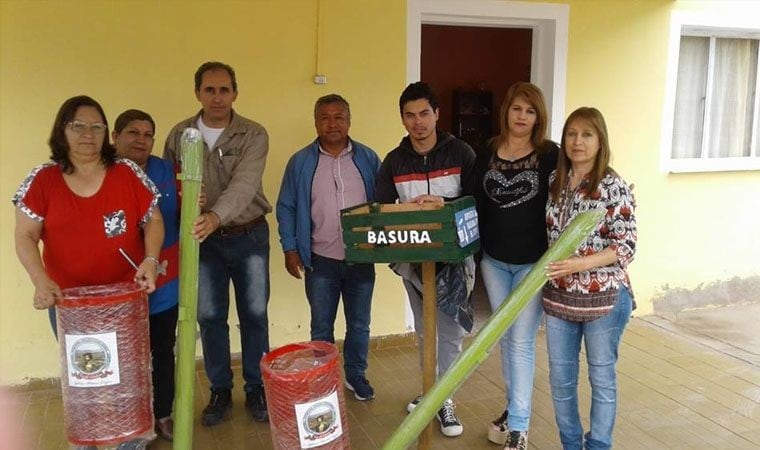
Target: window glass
(715, 112)
(690, 97)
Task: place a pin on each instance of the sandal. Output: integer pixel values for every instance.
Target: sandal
(497, 430)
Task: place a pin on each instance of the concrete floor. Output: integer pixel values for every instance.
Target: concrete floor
(676, 391)
(686, 381)
(732, 330)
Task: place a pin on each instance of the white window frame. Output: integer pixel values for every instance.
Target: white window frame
(684, 23)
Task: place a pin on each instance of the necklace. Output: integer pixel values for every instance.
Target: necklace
(566, 201)
(513, 155)
(575, 179)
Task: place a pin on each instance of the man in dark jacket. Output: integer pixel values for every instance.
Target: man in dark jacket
(429, 165)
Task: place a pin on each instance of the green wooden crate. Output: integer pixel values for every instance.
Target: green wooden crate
(410, 232)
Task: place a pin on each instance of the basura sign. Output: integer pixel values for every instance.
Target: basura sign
(399, 237)
(410, 232)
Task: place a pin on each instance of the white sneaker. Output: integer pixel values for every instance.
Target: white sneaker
(413, 404)
(450, 424)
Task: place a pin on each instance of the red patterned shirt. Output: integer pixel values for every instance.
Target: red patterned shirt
(590, 294)
(82, 235)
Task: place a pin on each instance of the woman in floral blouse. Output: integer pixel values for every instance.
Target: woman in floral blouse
(588, 295)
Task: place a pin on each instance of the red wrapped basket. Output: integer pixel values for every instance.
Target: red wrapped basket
(304, 391)
(104, 340)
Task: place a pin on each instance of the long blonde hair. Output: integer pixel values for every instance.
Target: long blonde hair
(533, 95)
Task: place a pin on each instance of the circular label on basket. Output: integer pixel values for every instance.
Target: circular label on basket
(93, 359)
(319, 421)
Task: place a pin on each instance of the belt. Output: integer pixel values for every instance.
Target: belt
(237, 230)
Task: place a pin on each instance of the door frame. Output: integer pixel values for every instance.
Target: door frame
(549, 23)
(548, 69)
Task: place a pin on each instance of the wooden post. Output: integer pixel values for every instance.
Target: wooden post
(429, 319)
(418, 234)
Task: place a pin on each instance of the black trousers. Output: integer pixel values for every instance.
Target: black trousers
(163, 335)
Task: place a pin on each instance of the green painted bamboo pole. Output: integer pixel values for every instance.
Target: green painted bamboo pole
(192, 170)
(492, 330)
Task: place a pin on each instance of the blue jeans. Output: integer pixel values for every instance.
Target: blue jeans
(518, 345)
(244, 259)
(602, 339)
(327, 280)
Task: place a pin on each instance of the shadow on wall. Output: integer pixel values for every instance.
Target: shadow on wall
(736, 291)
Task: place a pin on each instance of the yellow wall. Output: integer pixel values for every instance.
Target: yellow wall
(693, 228)
(143, 54)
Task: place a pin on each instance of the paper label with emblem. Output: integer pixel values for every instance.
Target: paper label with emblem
(319, 421)
(92, 360)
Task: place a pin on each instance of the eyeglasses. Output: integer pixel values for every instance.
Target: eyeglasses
(80, 127)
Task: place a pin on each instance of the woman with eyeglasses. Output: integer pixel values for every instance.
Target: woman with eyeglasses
(85, 205)
(588, 297)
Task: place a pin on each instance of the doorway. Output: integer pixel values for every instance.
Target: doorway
(548, 23)
(470, 69)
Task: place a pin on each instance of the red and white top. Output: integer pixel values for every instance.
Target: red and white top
(82, 235)
(592, 293)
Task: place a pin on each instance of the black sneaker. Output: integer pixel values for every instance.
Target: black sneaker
(360, 387)
(256, 404)
(218, 408)
(498, 431)
(450, 424)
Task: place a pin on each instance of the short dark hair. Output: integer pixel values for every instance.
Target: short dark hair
(214, 65)
(417, 91)
(130, 115)
(59, 145)
(330, 99)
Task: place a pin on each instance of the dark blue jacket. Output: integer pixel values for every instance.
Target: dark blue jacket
(294, 202)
